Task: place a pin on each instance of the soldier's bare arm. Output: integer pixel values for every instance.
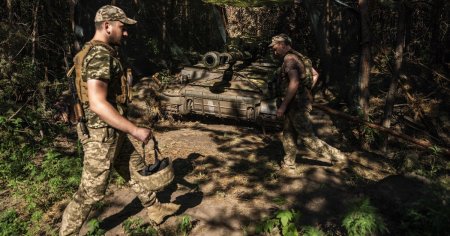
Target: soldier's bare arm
(315, 77)
(291, 69)
(97, 92)
(294, 83)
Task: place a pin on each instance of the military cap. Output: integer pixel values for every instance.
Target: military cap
(112, 13)
(281, 38)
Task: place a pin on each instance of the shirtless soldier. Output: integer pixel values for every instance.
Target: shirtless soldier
(296, 79)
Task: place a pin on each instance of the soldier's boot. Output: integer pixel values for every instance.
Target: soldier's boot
(289, 167)
(159, 211)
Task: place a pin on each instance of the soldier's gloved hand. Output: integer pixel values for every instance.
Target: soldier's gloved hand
(142, 134)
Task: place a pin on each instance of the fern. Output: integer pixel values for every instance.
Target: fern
(284, 220)
(94, 228)
(312, 231)
(135, 226)
(363, 219)
(185, 225)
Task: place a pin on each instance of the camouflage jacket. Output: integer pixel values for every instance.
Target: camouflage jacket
(102, 63)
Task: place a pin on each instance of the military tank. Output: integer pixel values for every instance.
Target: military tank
(231, 84)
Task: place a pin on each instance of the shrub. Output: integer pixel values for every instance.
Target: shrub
(363, 219)
(11, 224)
(185, 225)
(136, 227)
(312, 231)
(284, 220)
(55, 178)
(426, 216)
(94, 228)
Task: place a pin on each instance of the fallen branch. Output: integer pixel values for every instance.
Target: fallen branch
(422, 143)
(433, 71)
(17, 112)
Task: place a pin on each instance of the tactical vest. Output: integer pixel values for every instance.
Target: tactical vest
(308, 80)
(81, 85)
(303, 96)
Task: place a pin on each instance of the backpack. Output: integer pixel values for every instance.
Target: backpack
(309, 82)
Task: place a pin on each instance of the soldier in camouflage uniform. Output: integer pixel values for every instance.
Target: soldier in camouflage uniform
(113, 140)
(295, 82)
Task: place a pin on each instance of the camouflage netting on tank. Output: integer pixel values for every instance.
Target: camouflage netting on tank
(144, 108)
(251, 22)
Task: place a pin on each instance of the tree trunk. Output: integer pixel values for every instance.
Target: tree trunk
(364, 70)
(326, 65)
(400, 46)
(9, 6)
(320, 33)
(76, 43)
(435, 44)
(164, 28)
(34, 33)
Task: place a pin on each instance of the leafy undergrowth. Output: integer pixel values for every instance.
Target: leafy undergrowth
(364, 219)
(361, 219)
(35, 175)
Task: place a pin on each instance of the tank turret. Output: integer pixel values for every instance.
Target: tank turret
(233, 84)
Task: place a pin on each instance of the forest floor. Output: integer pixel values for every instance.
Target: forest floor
(227, 180)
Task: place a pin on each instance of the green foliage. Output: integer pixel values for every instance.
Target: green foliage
(35, 174)
(185, 225)
(165, 77)
(312, 231)
(118, 179)
(11, 224)
(94, 228)
(428, 164)
(363, 219)
(13, 38)
(247, 3)
(284, 220)
(435, 150)
(390, 3)
(136, 227)
(22, 80)
(22, 141)
(49, 182)
(15, 151)
(152, 46)
(368, 134)
(426, 216)
(431, 165)
(279, 201)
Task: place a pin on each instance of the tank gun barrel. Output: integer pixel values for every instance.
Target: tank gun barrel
(214, 59)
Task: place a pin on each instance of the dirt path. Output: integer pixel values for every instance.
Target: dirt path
(228, 179)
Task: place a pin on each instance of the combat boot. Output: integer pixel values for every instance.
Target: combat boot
(158, 211)
(289, 169)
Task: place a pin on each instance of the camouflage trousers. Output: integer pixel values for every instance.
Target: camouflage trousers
(106, 148)
(298, 129)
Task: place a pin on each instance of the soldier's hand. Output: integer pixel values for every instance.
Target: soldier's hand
(143, 134)
(280, 112)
